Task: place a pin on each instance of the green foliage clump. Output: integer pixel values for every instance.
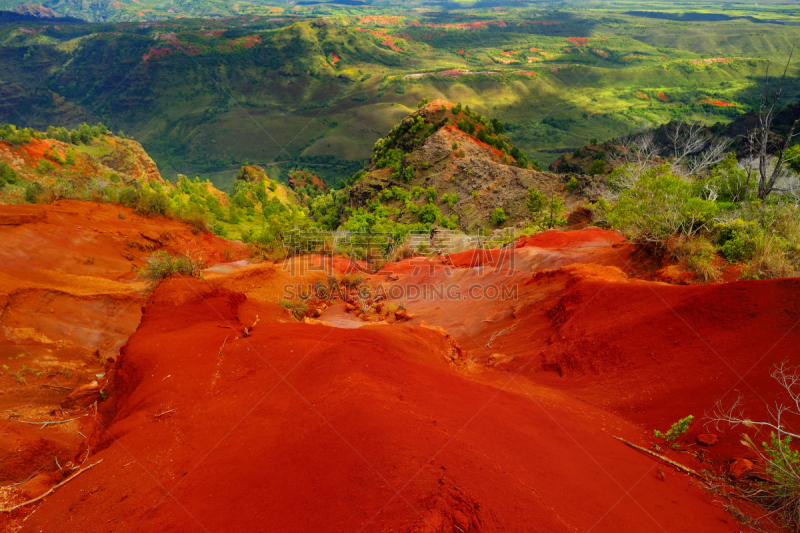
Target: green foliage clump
(736, 239)
(732, 184)
(546, 211)
(32, 191)
(162, 265)
(466, 125)
(659, 205)
(676, 430)
(429, 214)
(298, 309)
(498, 216)
(598, 166)
(13, 135)
(432, 194)
(7, 174)
(700, 255)
(572, 184)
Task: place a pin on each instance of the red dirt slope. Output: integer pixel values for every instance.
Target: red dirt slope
(67, 303)
(648, 351)
(305, 427)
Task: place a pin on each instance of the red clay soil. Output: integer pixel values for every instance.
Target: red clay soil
(86, 238)
(225, 414)
(68, 302)
(648, 351)
(304, 427)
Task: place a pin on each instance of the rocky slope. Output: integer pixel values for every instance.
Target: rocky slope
(437, 153)
(46, 161)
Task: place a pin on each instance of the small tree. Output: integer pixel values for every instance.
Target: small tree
(498, 216)
(432, 194)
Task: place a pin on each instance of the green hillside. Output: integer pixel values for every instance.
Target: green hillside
(206, 96)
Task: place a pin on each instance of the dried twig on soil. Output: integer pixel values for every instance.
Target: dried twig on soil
(21, 482)
(57, 387)
(495, 335)
(663, 458)
(50, 423)
(52, 490)
(223, 345)
(164, 413)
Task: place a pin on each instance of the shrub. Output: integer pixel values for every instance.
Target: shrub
(450, 199)
(770, 259)
(162, 265)
(198, 221)
(779, 490)
(736, 239)
(545, 211)
(429, 214)
(152, 203)
(298, 309)
(498, 216)
(676, 430)
(432, 194)
(660, 205)
(129, 196)
(32, 192)
(572, 184)
(466, 125)
(45, 166)
(699, 254)
(7, 174)
(598, 166)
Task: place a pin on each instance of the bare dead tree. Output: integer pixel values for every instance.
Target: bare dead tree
(639, 154)
(770, 173)
(686, 139)
(712, 155)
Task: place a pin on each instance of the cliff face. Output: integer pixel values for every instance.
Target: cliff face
(127, 157)
(455, 162)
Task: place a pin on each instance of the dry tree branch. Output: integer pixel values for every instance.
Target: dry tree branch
(50, 423)
(52, 489)
(664, 458)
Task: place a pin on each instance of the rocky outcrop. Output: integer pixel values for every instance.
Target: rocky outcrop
(453, 162)
(127, 158)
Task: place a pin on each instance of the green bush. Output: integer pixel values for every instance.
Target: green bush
(735, 239)
(7, 174)
(32, 192)
(572, 184)
(45, 166)
(162, 265)
(545, 211)
(660, 205)
(432, 194)
(153, 204)
(429, 214)
(676, 430)
(598, 166)
(498, 216)
(699, 254)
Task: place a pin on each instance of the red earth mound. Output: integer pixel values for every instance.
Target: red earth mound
(223, 412)
(383, 428)
(68, 302)
(581, 321)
